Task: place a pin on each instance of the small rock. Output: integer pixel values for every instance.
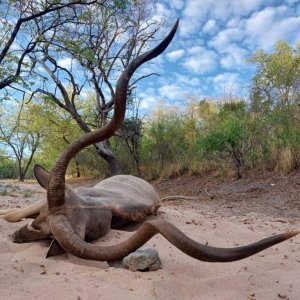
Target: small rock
(143, 260)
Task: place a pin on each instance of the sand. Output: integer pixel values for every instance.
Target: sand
(271, 274)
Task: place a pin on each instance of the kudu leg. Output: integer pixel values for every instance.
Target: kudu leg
(15, 215)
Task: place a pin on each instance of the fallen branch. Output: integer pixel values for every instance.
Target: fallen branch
(175, 197)
(210, 195)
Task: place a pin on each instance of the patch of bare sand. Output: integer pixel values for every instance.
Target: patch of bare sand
(227, 220)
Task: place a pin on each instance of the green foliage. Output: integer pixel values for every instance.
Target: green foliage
(226, 134)
(277, 79)
(120, 4)
(275, 100)
(59, 129)
(8, 168)
(18, 135)
(168, 143)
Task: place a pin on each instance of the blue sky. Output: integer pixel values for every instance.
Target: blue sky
(207, 58)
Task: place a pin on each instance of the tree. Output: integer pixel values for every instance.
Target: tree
(275, 99)
(23, 24)
(226, 133)
(163, 139)
(277, 78)
(100, 42)
(58, 129)
(23, 140)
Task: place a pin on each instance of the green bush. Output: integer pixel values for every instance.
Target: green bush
(8, 168)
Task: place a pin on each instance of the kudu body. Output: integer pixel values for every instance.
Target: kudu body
(73, 217)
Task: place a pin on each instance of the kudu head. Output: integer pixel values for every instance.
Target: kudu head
(64, 219)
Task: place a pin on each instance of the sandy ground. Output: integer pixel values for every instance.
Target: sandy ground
(227, 213)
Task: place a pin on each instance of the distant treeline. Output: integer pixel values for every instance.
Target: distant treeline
(210, 137)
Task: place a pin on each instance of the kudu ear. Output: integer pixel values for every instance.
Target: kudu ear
(41, 175)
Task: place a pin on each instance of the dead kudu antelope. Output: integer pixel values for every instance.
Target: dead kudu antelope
(74, 217)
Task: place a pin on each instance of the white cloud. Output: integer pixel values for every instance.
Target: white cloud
(177, 4)
(187, 80)
(263, 20)
(200, 60)
(148, 102)
(171, 91)
(226, 37)
(261, 30)
(234, 22)
(66, 62)
(175, 93)
(226, 82)
(210, 27)
(148, 97)
(162, 13)
(161, 9)
(196, 8)
(196, 12)
(245, 7)
(193, 17)
(233, 57)
(175, 55)
(236, 29)
(187, 43)
(225, 78)
(265, 27)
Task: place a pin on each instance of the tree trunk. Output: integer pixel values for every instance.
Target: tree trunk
(21, 175)
(137, 163)
(77, 166)
(105, 152)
